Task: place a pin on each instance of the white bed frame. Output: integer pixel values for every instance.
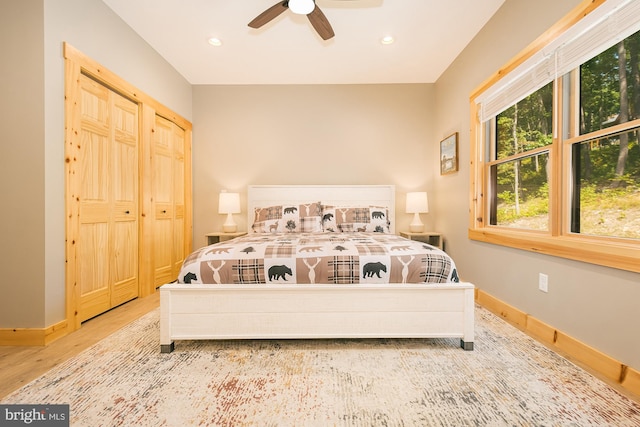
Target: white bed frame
(277, 311)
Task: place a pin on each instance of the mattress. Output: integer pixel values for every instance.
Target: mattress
(318, 258)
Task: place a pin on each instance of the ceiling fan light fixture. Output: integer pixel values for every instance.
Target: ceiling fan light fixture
(301, 7)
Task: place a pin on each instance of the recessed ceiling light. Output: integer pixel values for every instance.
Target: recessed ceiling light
(214, 41)
(387, 40)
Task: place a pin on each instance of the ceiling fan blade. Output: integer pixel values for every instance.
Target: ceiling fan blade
(269, 14)
(321, 23)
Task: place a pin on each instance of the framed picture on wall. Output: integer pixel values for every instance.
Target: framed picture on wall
(449, 154)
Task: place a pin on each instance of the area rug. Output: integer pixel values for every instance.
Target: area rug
(508, 380)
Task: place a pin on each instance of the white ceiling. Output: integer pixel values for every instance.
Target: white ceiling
(429, 35)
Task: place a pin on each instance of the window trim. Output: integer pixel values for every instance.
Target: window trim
(558, 241)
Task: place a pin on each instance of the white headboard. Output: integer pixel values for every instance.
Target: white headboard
(336, 195)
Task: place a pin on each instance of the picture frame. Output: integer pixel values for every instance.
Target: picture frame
(449, 154)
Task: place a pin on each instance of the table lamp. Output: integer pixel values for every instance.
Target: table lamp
(417, 203)
(229, 203)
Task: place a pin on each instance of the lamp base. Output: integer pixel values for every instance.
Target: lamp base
(229, 228)
(416, 225)
(229, 225)
(416, 228)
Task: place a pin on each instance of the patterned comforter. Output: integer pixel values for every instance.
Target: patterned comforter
(324, 258)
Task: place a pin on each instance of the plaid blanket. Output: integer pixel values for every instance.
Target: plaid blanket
(326, 258)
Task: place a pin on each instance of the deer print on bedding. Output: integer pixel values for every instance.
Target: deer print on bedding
(318, 258)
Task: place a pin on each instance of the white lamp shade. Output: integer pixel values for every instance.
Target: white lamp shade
(229, 203)
(301, 7)
(417, 202)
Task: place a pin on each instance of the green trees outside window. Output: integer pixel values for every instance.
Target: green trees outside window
(606, 168)
(520, 178)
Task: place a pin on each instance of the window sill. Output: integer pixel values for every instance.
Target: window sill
(599, 251)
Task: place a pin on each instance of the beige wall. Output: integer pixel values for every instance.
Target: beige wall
(22, 159)
(596, 305)
(335, 134)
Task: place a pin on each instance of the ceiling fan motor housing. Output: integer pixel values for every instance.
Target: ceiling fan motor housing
(317, 19)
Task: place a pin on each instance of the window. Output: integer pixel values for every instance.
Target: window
(520, 196)
(606, 198)
(606, 166)
(555, 149)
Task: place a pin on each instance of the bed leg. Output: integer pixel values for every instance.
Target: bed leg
(467, 345)
(167, 348)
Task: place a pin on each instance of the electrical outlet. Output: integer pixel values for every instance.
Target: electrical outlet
(543, 282)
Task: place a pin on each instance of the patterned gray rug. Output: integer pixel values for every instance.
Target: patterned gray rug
(508, 380)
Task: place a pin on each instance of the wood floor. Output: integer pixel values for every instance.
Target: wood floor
(20, 365)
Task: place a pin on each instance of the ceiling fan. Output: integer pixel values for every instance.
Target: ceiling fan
(300, 7)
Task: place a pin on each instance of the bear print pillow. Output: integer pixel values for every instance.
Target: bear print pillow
(372, 219)
(288, 218)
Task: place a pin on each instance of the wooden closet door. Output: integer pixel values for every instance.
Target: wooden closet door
(107, 248)
(124, 178)
(179, 252)
(127, 190)
(162, 178)
(168, 159)
(93, 241)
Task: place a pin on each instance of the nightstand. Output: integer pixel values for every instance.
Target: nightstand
(430, 237)
(221, 236)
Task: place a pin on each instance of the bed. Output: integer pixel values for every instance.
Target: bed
(317, 262)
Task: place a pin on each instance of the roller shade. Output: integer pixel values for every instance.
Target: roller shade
(607, 25)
